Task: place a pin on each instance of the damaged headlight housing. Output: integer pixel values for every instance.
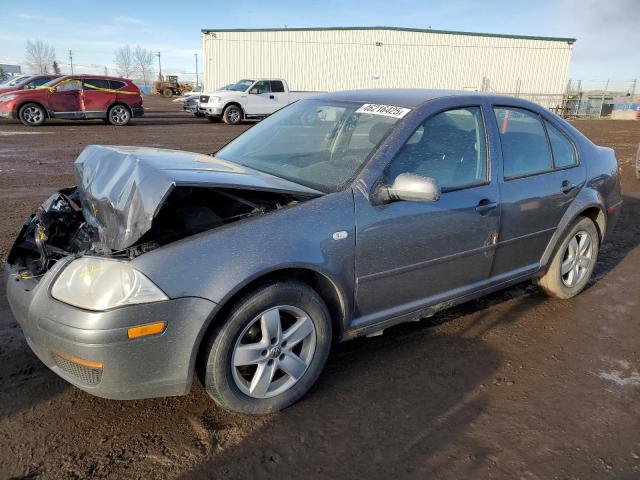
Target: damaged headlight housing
(7, 97)
(101, 284)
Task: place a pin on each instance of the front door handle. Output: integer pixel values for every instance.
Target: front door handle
(485, 206)
(567, 186)
(271, 97)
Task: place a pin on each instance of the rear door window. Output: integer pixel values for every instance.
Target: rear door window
(96, 83)
(277, 86)
(525, 150)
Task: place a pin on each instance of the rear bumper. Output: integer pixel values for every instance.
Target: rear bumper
(92, 351)
(137, 111)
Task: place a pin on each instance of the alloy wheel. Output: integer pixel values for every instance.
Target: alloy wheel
(577, 259)
(234, 115)
(119, 115)
(273, 352)
(32, 115)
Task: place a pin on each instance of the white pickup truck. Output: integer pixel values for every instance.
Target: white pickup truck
(249, 99)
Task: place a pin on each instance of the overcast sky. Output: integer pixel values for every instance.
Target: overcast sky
(607, 32)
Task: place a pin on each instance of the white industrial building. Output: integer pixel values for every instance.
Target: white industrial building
(329, 59)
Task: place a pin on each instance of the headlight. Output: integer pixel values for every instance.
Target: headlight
(101, 284)
(6, 98)
(214, 99)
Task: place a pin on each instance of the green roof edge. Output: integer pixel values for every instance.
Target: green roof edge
(401, 29)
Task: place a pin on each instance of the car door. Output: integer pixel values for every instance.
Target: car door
(540, 176)
(260, 100)
(96, 96)
(413, 254)
(65, 99)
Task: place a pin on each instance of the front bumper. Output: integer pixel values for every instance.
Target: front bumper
(213, 111)
(137, 111)
(7, 114)
(67, 339)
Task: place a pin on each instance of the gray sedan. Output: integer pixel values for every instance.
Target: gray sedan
(339, 216)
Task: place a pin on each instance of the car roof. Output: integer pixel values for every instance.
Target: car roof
(401, 97)
(106, 77)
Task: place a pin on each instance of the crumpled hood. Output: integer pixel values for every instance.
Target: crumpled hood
(123, 188)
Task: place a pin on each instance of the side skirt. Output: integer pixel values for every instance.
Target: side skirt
(376, 326)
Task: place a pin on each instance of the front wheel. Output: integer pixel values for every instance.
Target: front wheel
(118, 115)
(572, 265)
(270, 350)
(167, 93)
(32, 115)
(232, 115)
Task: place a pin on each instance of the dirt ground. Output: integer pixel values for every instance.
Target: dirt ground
(515, 385)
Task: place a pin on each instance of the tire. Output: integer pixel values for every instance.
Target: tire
(118, 115)
(167, 93)
(578, 268)
(234, 384)
(32, 114)
(232, 115)
(214, 119)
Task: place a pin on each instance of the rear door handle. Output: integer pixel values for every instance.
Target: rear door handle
(567, 186)
(485, 206)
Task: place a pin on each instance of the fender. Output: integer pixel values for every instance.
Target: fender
(237, 104)
(37, 103)
(587, 198)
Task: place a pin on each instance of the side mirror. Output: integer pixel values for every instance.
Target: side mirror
(254, 91)
(413, 188)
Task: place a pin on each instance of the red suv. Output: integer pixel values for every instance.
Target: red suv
(76, 97)
(26, 82)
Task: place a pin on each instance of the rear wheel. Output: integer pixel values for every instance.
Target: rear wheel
(167, 93)
(573, 262)
(32, 115)
(118, 115)
(270, 350)
(232, 115)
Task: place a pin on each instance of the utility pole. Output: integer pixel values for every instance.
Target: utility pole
(71, 60)
(633, 89)
(606, 87)
(196, 69)
(159, 66)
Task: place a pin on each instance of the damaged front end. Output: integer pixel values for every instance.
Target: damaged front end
(129, 201)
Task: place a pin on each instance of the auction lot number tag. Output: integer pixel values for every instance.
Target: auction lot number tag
(385, 110)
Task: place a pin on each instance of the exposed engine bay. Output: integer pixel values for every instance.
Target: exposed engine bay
(130, 200)
(59, 229)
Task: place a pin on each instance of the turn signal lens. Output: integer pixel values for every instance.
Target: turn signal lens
(144, 330)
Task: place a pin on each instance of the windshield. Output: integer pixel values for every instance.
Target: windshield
(241, 85)
(13, 81)
(317, 143)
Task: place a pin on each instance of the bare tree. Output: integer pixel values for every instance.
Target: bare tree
(39, 55)
(143, 62)
(125, 62)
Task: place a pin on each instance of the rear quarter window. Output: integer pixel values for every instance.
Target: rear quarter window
(564, 153)
(116, 84)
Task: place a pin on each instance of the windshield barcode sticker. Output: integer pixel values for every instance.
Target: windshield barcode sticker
(386, 110)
